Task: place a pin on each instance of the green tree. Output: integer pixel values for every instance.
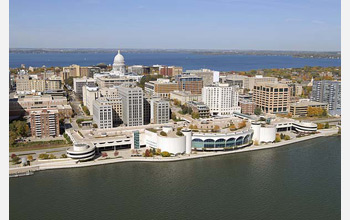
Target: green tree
(173, 116)
(195, 115)
(326, 126)
(278, 138)
(257, 111)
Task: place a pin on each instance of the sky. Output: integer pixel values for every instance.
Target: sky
(309, 25)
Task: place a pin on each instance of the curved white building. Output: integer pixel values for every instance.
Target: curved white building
(81, 152)
(171, 143)
(304, 127)
(119, 65)
(263, 133)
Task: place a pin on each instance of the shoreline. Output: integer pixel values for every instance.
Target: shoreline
(69, 163)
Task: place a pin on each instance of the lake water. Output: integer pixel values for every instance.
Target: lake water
(298, 181)
(187, 60)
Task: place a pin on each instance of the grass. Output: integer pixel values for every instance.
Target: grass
(38, 145)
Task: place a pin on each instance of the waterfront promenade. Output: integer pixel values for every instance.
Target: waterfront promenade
(69, 163)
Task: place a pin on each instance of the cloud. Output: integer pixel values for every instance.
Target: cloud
(293, 20)
(317, 22)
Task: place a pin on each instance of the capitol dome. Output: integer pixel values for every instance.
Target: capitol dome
(119, 58)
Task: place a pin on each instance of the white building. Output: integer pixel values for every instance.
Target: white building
(119, 65)
(90, 94)
(161, 112)
(221, 99)
(102, 114)
(132, 101)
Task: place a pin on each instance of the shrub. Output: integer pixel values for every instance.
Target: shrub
(116, 153)
(242, 124)
(165, 154)
(158, 151)
(320, 126)
(104, 154)
(278, 138)
(43, 156)
(51, 156)
(256, 143)
(15, 160)
(29, 157)
(94, 125)
(163, 133)
(179, 133)
(287, 137)
(64, 156)
(233, 127)
(13, 155)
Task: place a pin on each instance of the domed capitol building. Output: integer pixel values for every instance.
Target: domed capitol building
(118, 65)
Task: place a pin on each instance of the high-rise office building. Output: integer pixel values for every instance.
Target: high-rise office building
(161, 110)
(329, 92)
(102, 114)
(132, 100)
(78, 84)
(272, 97)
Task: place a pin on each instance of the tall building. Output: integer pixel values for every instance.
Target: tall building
(44, 123)
(329, 92)
(132, 100)
(78, 84)
(102, 114)
(161, 112)
(272, 97)
(90, 94)
(221, 99)
(190, 83)
(260, 79)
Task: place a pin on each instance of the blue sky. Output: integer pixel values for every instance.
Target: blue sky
(177, 24)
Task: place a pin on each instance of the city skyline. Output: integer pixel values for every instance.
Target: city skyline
(240, 25)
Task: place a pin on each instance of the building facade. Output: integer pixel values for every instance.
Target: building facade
(132, 101)
(161, 112)
(191, 83)
(221, 99)
(272, 97)
(329, 92)
(300, 108)
(44, 123)
(102, 114)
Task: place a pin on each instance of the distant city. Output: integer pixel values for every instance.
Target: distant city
(90, 113)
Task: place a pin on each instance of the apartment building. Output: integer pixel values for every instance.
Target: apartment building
(221, 99)
(330, 92)
(44, 123)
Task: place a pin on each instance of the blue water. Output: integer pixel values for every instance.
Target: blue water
(186, 60)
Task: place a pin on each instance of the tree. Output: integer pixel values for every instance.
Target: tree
(320, 126)
(286, 137)
(177, 102)
(15, 160)
(158, 151)
(278, 138)
(104, 154)
(163, 133)
(29, 157)
(326, 126)
(116, 153)
(324, 113)
(315, 111)
(195, 115)
(216, 128)
(94, 125)
(257, 111)
(233, 127)
(64, 156)
(12, 138)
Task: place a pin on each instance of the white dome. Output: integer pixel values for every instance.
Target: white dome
(119, 59)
